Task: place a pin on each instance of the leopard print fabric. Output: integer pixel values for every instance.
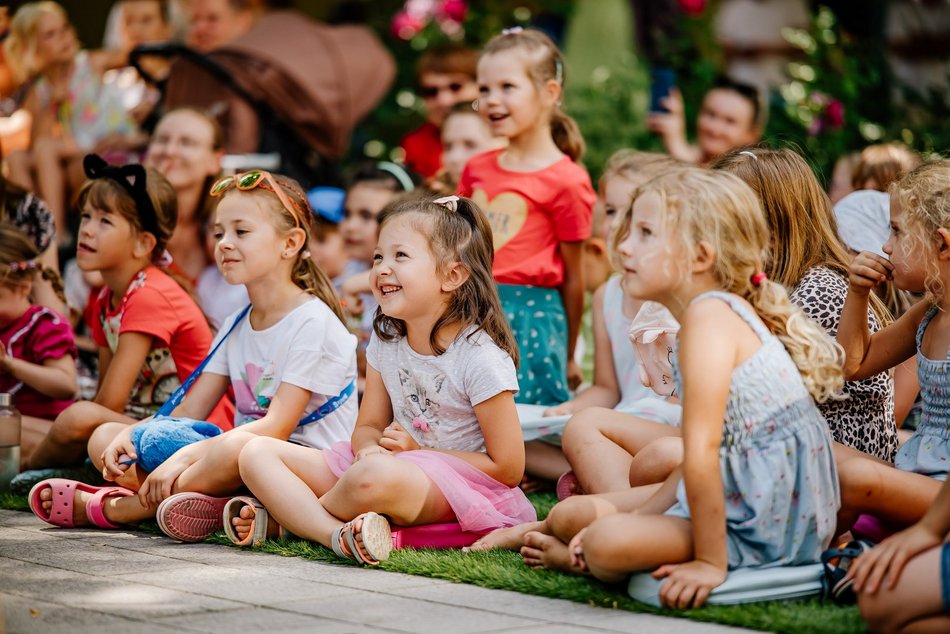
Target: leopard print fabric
(865, 420)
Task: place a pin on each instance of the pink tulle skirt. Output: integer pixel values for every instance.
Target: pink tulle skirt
(480, 503)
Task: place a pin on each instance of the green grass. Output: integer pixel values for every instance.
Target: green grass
(505, 570)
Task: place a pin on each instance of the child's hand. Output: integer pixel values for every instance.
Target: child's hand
(397, 439)
(575, 550)
(867, 270)
(688, 585)
(120, 450)
(889, 557)
(369, 451)
(158, 485)
(4, 359)
(574, 375)
(564, 409)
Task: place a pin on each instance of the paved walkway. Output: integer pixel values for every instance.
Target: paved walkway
(84, 581)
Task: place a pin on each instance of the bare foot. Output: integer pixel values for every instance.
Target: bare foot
(243, 522)
(79, 505)
(511, 538)
(546, 551)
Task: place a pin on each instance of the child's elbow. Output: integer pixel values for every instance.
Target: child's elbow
(510, 475)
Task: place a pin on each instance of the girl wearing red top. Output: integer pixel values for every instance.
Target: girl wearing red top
(540, 204)
(37, 351)
(539, 201)
(151, 333)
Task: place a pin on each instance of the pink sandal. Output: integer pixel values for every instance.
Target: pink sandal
(568, 485)
(64, 492)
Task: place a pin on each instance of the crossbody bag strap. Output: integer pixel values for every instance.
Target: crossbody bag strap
(179, 394)
(330, 406)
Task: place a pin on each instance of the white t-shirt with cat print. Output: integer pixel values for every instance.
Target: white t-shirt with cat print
(434, 397)
(310, 348)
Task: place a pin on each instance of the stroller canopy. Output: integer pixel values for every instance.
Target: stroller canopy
(320, 80)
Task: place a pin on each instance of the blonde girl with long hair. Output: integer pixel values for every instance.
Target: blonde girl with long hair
(808, 258)
(917, 261)
(749, 367)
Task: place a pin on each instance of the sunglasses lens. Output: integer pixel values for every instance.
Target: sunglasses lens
(221, 185)
(249, 180)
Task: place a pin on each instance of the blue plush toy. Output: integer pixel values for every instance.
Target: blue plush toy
(162, 436)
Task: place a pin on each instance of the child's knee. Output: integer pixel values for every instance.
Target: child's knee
(77, 423)
(101, 437)
(234, 442)
(858, 479)
(600, 542)
(877, 614)
(369, 480)
(582, 425)
(661, 455)
(569, 517)
(254, 450)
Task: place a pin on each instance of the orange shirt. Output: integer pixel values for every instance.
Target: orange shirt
(155, 305)
(531, 213)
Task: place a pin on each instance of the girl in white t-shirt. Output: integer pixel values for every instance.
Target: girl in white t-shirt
(438, 437)
(287, 356)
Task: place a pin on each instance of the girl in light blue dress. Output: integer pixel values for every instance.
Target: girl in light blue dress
(918, 260)
(758, 485)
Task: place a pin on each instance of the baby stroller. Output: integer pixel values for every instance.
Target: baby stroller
(290, 86)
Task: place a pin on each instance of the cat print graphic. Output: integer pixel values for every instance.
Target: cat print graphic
(421, 393)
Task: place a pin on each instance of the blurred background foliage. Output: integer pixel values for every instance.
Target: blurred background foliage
(840, 97)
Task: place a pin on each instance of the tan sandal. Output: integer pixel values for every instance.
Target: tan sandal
(375, 542)
(263, 526)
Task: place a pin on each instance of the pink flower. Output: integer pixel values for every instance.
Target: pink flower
(454, 10)
(692, 7)
(834, 114)
(405, 26)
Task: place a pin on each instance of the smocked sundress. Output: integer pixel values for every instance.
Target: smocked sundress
(928, 451)
(778, 471)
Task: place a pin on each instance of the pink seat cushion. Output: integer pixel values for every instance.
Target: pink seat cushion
(448, 535)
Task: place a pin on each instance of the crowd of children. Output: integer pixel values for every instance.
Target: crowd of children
(339, 364)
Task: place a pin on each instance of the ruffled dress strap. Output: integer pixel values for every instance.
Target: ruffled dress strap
(923, 326)
(742, 309)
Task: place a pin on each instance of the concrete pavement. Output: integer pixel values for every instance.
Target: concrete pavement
(92, 581)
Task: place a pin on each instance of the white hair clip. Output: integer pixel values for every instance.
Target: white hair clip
(513, 30)
(165, 260)
(748, 153)
(449, 202)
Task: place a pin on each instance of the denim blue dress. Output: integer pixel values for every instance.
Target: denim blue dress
(928, 451)
(775, 459)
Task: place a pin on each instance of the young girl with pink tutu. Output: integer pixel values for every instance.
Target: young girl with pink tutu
(437, 438)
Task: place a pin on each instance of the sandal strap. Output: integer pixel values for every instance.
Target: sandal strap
(344, 544)
(94, 511)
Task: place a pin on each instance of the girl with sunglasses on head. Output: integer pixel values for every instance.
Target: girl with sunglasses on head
(149, 331)
(287, 356)
(438, 438)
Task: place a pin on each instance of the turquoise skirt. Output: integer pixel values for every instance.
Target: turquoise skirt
(539, 323)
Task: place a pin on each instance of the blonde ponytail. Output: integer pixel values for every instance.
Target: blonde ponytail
(567, 135)
(308, 276)
(819, 357)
